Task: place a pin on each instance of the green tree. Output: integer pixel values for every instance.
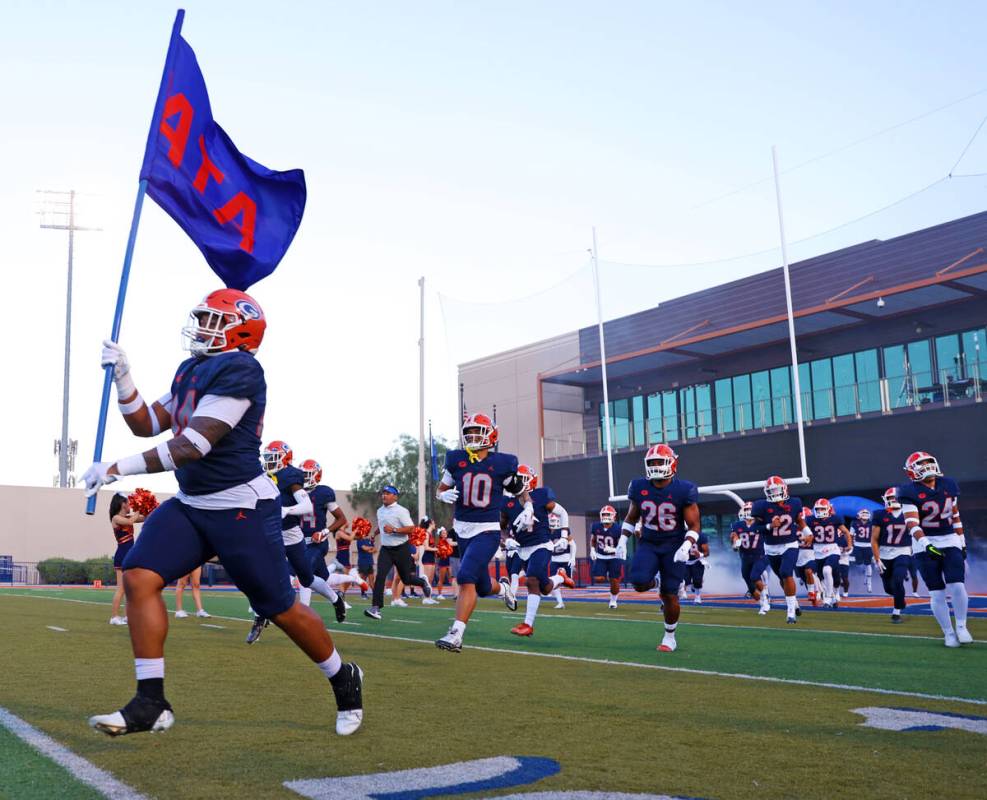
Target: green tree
(400, 468)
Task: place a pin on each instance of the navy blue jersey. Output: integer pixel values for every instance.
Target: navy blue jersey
(935, 505)
(827, 531)
(234, 459)
(894, 530)
(285, 478)
(750, 536)
(764, 511)
(702, 540)
(540, 532)
(321, 496)
(512, 509)
(480, 484)
(861, 533)
(605, 538)
(364, 551)
(663, 509)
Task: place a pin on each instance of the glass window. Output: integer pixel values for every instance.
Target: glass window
(781, 395)
(919, 364)
(724, 405)
(761, 398)
(899, 384)
(845, 379)
(868, 381)
(822, 389)
(975, 352)
(637, 408)
(687, 398)
(704, 410)
(947, 358)
(654, 419)
(805, 389)
(669, 406)
(742, 402)
(619, 423)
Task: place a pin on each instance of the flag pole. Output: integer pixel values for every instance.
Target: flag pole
(127, 258)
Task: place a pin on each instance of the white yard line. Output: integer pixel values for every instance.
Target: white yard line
(56, 628)
(83, 771)
(847, 687)
(209, 625)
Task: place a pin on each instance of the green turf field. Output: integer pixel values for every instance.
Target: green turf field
(747, 707)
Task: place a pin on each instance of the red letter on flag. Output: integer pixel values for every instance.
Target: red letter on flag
(207, 170)
(238, 204)
(178, 136)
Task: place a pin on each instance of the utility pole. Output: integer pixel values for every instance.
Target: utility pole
(58, 213)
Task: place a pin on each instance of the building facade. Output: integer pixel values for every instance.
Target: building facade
(892, 358)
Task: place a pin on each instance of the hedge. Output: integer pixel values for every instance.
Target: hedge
(67, 570)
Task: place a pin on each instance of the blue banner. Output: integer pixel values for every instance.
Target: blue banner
(435, 455)
(240, 214)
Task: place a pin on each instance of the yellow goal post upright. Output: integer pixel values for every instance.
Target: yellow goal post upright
(728, 489)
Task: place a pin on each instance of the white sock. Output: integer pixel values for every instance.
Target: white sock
(614, 596)
(149, 668)
(331, 665)
(458, 628)
(342, 579)
(828, 581)
(531, 609)
(514, 582)
(961, 600)
(867, 571)
(817, 585)
(940, 609)
(699, 594)
(557, 594)
(792, 604)
(501, 591)
(670, 628)
(895, 612)
(323, 588)
(305, 596)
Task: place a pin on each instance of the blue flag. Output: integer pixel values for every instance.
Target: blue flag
(240, 214)
(435, 455)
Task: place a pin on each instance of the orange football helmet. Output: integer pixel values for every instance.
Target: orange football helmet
(277, 455)
(921, 465)
(608, 515)
(660, 462)
(225, 320)
(313, 473)
(890, 498)
(529, 476)
(823, 509)
(479, 432)
(775, 489)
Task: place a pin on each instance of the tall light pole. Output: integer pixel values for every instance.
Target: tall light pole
(59, 208)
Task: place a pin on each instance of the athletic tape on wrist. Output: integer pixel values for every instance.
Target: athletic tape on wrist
(125, 385)
(133, 406)
(199, 442)
(626, 526)
(132, 465)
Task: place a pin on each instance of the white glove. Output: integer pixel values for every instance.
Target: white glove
(704, 561)
(621, 550)
(115, 356)
(682, 554)
(449, 496)
(510, 544)
(592, 554)
(919, 545)
(880, 567)
(561, 546)
(96, 476)
(736, 544)
(526, 518)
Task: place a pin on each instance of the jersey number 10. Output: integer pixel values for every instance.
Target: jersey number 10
(477, 489)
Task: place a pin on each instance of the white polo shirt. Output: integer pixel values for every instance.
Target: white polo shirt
(397, 516)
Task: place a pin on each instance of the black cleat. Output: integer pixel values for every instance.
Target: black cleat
(798, 611)
(347, 685)
(896, 619)
(140, 715)
(340, 606)
(257, 628)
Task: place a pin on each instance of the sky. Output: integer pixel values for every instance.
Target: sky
(475, 144)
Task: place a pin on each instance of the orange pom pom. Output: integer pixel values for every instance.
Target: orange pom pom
(443, 548)
(361, 527)
(143, 501)
(418, 537)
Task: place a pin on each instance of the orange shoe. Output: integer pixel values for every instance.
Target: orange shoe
(813, 599)
(524, 629)
(566, 580)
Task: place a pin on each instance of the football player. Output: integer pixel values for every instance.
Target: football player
(668, 510)
(695, 568)
(535, 547)
(930, 502)
(474, 481)
(804, 569)
(295, 504)
(226, 506)
(780, 519)
(603, 537)
(863, 555)
(747, 539)
(829, 536)
(892, 545)
(562, 548)
(314, 528)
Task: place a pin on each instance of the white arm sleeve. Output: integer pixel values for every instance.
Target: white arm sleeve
(226, 409)
(303, 505)
(332, 506)
(447, 478)
(908, 508)
(563, 514)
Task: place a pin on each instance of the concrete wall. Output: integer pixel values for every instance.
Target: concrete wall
(41, 522)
